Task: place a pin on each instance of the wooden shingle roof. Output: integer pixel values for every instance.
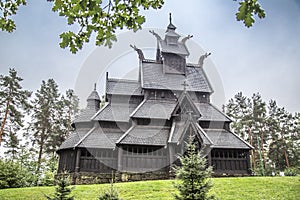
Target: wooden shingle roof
(118, 112)
(155, 109)
(222, 138)
(123, 87)
(153, 77)
(146, 135)
(210, 113)
(99, 138)
(95, 137)
(74, 138)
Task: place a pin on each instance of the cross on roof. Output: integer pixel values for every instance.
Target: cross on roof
(184, 85)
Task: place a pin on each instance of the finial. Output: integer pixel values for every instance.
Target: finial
(95, 86)
(139, 51)
(170, 18)
(202, 58)
(184, 86)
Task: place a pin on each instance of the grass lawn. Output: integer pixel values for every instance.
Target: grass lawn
(258, 188)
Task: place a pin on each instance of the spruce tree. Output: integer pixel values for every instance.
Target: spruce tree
(193, 175)
(63, 189)
(13, 103)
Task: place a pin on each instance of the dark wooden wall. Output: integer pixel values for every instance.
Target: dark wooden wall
(233, 161)
(144, 158)
(66, 160)
(98, 160)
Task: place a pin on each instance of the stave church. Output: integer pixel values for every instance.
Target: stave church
(143, 124)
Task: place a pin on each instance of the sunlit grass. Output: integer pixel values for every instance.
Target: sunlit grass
(250, 188)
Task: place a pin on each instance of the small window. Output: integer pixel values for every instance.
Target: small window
(162, 94)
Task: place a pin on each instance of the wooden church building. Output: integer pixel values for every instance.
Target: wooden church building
(144, 124)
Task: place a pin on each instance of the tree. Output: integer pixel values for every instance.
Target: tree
(112, 193)
(271, 130)
(104, 19)
(12, 145)
(44, 119)
(63, 189)
(282, 128)
(249, 116)
(50, 123)
(13, 102)
(193, 175)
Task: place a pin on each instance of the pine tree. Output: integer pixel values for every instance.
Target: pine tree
(281, 127)
(249, 116)
(44, 119)
(63, 189)
(13, 102)
(12, 145)
(193, 175)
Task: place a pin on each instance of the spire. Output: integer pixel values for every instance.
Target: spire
(93, 101)
(171, 26)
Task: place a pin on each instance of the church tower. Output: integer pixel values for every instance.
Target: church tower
(173, 52)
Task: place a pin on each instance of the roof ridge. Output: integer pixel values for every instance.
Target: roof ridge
(193, 65)
(123, 79)
(85, 136)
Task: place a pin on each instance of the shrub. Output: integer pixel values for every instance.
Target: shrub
(292, 171)
(12, 175)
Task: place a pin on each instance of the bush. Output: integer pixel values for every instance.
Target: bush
(292, 171)
(12, 175)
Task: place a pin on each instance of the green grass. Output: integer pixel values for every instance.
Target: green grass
(258, 188)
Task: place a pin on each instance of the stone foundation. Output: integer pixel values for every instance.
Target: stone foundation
(96, 178)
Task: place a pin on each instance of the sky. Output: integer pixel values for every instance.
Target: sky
(264, 58)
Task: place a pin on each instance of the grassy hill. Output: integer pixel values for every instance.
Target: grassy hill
(285, 188)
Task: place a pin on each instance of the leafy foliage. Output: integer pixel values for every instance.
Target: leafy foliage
(13, 175)
(104, 17)
(193, 175)
(7, 10)
(95, 16)
(247, 10)
(63, 189)
(292, 171)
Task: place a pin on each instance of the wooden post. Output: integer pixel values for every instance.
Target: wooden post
(120, 156)
(77, 161)
(171, 154)
(209, 158)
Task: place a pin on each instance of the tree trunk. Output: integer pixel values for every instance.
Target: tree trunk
(286, 157)
(285, 152)
(40, 153)
(262, 149)
(4, 119)
(252, 150)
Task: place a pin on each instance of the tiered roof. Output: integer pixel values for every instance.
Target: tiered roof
(125, 110)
